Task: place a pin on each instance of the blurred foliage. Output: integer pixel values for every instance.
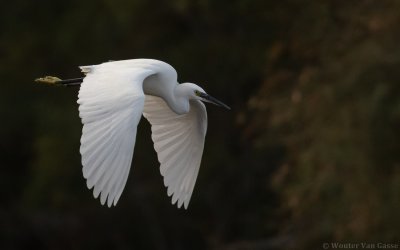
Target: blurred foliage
(308, 154)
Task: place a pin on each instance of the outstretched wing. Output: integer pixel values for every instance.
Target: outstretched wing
(179, 142)
(110, 102)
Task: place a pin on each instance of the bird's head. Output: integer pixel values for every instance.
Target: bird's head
(195, 92)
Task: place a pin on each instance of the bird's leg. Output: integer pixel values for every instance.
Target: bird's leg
(55, 81)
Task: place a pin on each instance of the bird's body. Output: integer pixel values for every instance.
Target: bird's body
(112, 98)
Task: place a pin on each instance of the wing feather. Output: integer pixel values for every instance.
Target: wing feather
(110, 105)
(179, 143)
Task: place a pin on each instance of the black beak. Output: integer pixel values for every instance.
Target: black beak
(213, 100)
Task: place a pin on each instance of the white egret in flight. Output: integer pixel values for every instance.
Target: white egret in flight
(112, 98)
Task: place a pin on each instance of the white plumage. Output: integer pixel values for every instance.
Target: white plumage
(112, 98)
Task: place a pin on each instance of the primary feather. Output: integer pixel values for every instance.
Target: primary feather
(179, 142)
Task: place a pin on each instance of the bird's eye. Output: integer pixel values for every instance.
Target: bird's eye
(197, 92)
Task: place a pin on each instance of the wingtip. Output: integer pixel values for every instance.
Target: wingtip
(174, 199)
(186, 204)
(103, 198)
(180, 202)
(109, 202)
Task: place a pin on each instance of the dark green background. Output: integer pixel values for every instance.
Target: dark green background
(308, 154)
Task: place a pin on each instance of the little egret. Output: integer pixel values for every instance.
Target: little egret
(112, 98)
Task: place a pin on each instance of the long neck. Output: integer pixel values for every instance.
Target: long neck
(179, 101)
(174, 94)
